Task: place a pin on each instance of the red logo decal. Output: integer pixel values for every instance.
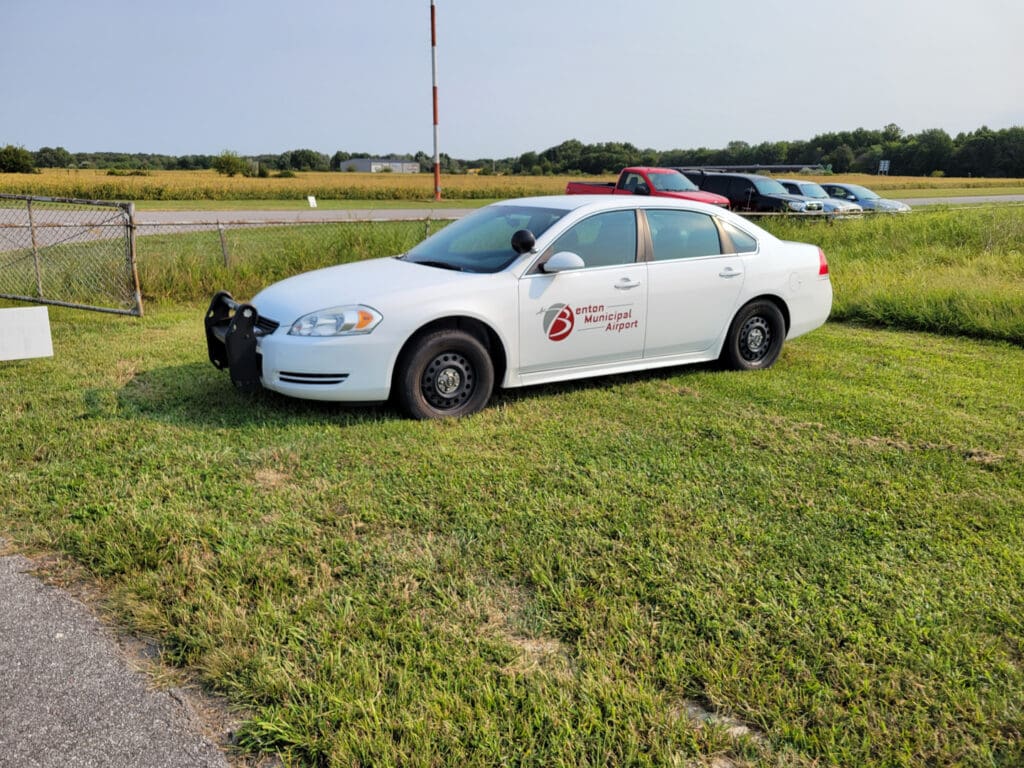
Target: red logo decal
(559, 320)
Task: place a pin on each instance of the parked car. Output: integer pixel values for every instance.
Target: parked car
(526, 292)
(752, 192)
(833, 205)
(864, 197)
(656, 182)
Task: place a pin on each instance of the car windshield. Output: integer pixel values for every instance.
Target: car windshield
(862, 192)
(769, 187)
(482, 241)
(810, 189)
(671, 182)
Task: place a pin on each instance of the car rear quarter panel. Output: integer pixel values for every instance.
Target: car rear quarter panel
(789, 272)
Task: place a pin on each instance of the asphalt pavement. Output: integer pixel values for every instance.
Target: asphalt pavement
(69, 697)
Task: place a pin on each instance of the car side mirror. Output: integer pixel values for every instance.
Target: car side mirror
(523, 241)
(563, 261)
(642, 189)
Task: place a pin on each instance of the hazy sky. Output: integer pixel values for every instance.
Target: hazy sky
(264, 76)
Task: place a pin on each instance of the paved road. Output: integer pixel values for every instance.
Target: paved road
(68, 698)
(414, 214)
(287, 217)
(912, 201)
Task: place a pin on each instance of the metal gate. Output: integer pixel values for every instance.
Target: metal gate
(71, 253)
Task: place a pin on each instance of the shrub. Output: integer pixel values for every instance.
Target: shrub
(16, 160)
(229, 163)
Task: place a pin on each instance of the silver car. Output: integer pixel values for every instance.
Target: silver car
(833, 206)
(865, 198)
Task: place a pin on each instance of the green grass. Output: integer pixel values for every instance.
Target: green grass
(955, 271)
(830, 552)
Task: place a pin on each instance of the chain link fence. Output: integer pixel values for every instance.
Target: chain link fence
(103, 255)
(230, 242)
(74, 253)
(189, 260)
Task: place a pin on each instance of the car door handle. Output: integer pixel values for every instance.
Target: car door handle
(625, 284)
(730, 272)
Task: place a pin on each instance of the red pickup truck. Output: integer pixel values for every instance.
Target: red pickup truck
(657, 182)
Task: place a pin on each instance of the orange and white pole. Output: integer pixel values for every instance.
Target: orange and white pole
(433, 62)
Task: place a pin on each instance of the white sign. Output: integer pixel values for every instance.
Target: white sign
(24, 333)
(312, 201)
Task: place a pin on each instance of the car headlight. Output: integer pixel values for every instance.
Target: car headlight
(795, 205)
(337, 321)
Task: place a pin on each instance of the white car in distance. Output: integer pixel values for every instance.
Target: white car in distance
(526, 292)
(833, 206)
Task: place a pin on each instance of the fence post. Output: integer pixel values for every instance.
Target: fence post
(223, 245)
(35, 250)
(133, 268)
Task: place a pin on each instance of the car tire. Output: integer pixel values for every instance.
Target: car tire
(755, 337)
(444, 374)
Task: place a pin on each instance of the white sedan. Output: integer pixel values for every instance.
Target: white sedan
(526, 292)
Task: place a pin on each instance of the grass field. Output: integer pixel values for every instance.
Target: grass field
(820, 564)
(208, 185)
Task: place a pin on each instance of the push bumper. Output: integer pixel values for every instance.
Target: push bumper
(232, 329)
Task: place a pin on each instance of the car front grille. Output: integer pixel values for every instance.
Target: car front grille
(265, 326)
(321, 379)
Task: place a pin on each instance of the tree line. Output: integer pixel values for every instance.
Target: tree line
(984, 152)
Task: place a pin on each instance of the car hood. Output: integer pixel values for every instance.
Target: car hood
(881, 204)
(835, 204)
(791, 198)
(699, 195)
(373, 282)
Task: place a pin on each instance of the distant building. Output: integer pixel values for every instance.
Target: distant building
(375, 165)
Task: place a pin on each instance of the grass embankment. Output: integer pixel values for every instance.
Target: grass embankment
(949, 271)
(830, 552)
(197, 186)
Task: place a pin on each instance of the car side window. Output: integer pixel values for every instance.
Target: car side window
(683, 235)
(603, 240)
(741, 241)
(742, 190)
(716, 184)
(630, 181)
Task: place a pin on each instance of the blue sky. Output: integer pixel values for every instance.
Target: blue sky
(262, 76)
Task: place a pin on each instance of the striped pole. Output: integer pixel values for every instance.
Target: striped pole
(433, 62)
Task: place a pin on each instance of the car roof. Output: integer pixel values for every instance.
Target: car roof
(736, 175)
(608, 203)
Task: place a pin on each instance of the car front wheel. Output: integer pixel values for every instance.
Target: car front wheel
(755, 337)
(446, 373)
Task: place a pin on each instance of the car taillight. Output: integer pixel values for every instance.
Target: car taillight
(822, 263)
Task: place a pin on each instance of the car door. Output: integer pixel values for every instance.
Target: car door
(839, 192)
(590, 316)
(695, 278)
(744, 194)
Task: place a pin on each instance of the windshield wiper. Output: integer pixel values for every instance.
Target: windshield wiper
(439, 264)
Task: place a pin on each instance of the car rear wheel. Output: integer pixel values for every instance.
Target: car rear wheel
(755, 337)
(446, 373)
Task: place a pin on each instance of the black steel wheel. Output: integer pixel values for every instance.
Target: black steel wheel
(446, 373)
(755, 337)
